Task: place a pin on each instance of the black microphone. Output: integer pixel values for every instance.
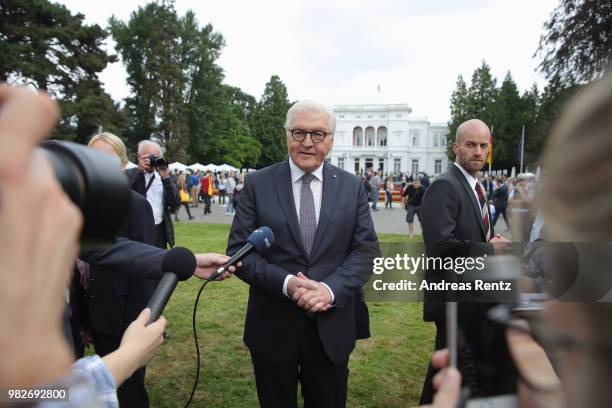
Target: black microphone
(260, 239)
(178, 264)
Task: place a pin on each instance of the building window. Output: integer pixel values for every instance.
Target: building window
(369, 136)
(415, 166)
(358, 137)
(382, 136)
(438, 166)
(341, 162)
(357, 116)
(341, 116)
(398, 115)
(415, 137)
(397, 165)
(382, 116)
(435, 141)
(370, 116)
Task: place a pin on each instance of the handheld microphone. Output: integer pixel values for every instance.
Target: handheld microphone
(178, 264)
(260, 239)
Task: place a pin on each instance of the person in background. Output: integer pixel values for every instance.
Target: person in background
(155, 183)
(206, 189)
(389, 192)
(114, 299)
(194, 181)
(231, 187)
(375, 188)
(500, 201)
(222, 190)
(413, 197)
(184, 196)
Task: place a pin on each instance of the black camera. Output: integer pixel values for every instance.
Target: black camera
(94, 182)
(157, 162)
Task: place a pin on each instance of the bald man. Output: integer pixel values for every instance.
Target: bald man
(456, 223)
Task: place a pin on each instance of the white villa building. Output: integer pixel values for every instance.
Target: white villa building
(387, 138)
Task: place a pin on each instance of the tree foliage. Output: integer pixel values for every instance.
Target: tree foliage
(506, 110)
(577, 42)
(45, 46)
(268, 124)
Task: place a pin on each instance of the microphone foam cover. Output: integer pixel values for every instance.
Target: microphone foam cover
(180, 261)
(262, 238)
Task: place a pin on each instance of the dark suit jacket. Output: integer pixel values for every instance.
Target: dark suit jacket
(117, 299)
(171, 197)
(452, 226)
(344, 245)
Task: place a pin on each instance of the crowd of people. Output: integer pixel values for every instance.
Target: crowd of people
(197, 188)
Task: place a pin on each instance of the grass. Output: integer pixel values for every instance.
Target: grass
(386, 370)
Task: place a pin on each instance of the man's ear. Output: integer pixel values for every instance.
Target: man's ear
(455, 148)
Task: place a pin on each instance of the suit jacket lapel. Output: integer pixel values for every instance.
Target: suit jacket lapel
(471, 195)
(330, 187)
(282, 179)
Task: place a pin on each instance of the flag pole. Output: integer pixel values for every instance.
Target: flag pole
(522, 146)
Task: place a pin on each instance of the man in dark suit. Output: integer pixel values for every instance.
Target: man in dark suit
(500, 202)
(305, 308)
(456, 222)
(156, 185)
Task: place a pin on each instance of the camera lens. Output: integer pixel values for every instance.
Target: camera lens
(95, 184)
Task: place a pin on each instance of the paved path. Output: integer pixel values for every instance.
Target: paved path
(385, 220)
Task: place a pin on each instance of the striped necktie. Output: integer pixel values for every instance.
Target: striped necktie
(483, 206)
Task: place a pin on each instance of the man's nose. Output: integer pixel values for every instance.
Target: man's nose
(307, 142)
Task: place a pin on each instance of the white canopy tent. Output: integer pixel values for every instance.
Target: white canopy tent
(177, 165)
(211, 167)
(227, 167)
(197, 167)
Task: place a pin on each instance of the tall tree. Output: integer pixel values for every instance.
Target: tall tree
(506, 121)
(459, 112)
(149, 45)
(269, 121)
(481, 94)
(577, 42)
(45, 46)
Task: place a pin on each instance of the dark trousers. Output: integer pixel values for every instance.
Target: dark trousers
(161, 240)
(323, 383)
(503, 211)
(428, 391)
(186, 205)
(132, 392)
(207, 204)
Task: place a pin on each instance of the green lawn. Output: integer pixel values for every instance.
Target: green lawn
(386, 370)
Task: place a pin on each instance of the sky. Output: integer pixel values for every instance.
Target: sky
(343, 51)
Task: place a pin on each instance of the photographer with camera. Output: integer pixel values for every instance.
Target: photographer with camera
(152, 180)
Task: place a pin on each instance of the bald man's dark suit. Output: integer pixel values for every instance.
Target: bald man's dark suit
(453, 226)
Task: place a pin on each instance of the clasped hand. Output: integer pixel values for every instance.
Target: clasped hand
(309, 295)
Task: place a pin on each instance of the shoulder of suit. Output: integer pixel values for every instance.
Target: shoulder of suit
(341, 174)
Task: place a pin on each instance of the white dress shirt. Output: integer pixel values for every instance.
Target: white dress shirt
(155, 196)
(472, 182)
(316, 186)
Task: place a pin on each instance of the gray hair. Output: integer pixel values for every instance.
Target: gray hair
(143, 143)
(309, 106)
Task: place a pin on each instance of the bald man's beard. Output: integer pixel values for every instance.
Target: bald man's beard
(468, 165)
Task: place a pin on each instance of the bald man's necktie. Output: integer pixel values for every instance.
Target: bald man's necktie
(308, 220)
(484, 207)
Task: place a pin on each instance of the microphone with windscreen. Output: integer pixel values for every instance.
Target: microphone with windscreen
(178, 265)
(259, 240)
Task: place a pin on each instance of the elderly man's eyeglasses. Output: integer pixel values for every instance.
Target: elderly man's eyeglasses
(317, 136)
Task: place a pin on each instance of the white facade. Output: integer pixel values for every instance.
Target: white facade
(385, 137)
